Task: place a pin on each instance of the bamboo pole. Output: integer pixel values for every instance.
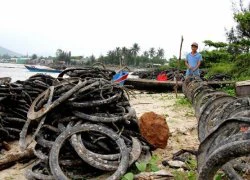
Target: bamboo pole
(177, 75)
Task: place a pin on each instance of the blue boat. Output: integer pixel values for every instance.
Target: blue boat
(121, 75)
(42, 70)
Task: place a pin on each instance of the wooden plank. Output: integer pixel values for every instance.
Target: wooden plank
(243, 88)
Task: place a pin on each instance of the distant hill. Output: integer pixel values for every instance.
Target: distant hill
(9, 52)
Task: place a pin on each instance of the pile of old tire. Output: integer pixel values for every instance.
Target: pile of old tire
(15, 101)
(223, 130)
(220, 77)
(85, 127)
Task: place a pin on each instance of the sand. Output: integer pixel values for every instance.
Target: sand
(180, 119)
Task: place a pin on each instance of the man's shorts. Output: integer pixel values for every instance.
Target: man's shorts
(193, 73)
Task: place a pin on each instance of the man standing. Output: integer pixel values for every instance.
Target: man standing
(193, 61)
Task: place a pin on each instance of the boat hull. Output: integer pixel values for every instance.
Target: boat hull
(163, 86)
(120, 77)
(35, 69)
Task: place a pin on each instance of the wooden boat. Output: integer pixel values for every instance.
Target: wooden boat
(154, 85)
(45, 70)
(120, 77)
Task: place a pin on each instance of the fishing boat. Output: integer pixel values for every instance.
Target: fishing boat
(42, 69)
(154, 85)
(121, 76)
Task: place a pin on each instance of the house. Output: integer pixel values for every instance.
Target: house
(46, 61)
(22, 60)
(76, 61)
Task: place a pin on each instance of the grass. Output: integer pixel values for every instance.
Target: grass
(222, 67)
(148, 166)
(182, 102)
(191, 164)
(166, 115)
(228, 89)
(239, 72)
(185, 175)
(191, 174)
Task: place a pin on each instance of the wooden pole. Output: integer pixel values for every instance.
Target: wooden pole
(177, 75)
(180, 52)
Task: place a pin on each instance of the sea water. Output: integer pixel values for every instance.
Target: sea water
(17, 72)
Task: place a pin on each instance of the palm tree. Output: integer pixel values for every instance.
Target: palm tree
(58, 52)
(111, 57)
(146, 54)
(135, 49)
(92, 59)
(160, 53)
(125, 51)
(118, 51)
(152, 52)
(101, 59)
(110, 53)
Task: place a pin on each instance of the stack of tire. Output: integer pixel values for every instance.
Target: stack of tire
(223, 130)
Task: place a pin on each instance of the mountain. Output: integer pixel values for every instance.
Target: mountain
(9, 52)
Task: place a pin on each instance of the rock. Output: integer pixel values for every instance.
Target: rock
(174, 164)
(162, 174)
(154, 129)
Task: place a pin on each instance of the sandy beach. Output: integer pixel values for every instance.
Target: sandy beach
(180, 119)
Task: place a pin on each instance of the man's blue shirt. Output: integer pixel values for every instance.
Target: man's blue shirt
(193, 59)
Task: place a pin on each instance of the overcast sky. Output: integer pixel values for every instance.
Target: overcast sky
(88, 27)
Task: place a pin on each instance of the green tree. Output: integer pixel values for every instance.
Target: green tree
(135, 49)
(101, 59)
(146, 54)
(215, 44)
(125, 51)
(118, 52)
(160, 53)
(58, 52)
(173, 63)
(128, 57)
(34, 56)
(239, 36)
(110, 53)
(219, 53)
(152, 52)
(92, 59)
(68, 57)
(63, 56)
(231, 57)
